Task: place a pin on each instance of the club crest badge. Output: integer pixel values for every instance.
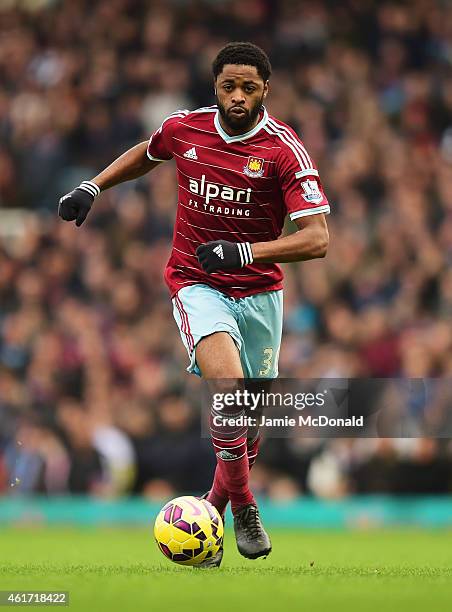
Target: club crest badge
(254, 167)
(311, 191)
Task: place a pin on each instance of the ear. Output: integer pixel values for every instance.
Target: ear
(266, 87)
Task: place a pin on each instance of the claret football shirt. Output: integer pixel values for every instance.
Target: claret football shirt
(238, 188)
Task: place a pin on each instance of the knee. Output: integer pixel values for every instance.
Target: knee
(226, 385)
(226, 395)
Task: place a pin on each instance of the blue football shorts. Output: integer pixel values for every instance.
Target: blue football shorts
(254, 323)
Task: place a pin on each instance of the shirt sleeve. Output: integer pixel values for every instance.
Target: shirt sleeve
(299, 179)
(160, 145)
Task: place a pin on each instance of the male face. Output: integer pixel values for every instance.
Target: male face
(240, 92)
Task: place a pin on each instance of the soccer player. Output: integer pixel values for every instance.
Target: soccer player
(240, 173)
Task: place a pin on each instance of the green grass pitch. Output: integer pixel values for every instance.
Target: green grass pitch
(122, 570)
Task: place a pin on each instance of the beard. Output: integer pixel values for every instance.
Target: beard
(240, 124)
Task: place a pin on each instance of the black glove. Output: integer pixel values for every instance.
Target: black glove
(224, 255)
(77, 204)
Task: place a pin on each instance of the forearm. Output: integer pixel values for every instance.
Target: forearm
(307, 243)
(310, 242)
(130, 165)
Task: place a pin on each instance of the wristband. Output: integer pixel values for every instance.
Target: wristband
(245, 252)
(90, 187)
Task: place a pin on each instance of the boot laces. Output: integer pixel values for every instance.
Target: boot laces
(249, 520)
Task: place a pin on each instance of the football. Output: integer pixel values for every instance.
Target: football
(188, 530)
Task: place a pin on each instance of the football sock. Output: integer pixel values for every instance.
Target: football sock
(218, 495)
(252, 450)
(230, 444)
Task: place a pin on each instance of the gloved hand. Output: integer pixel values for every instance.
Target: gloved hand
(224, 255)
(76, 204)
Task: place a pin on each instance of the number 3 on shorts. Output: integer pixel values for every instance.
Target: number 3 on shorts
(267, 361)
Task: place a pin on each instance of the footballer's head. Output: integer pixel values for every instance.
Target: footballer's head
(241, 72)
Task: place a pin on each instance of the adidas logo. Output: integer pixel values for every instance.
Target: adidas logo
(226, 455)
(218, 250)
(191, 153)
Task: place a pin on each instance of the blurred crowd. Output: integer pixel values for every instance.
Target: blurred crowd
(93, 393)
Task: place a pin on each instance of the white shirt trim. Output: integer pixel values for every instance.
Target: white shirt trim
(206, 109)
(308, 172)
(152, 158)
(310, 211)
(227, 138)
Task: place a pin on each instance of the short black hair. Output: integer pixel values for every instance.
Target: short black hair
(245, 53)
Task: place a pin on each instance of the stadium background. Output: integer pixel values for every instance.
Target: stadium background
(93, 394)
